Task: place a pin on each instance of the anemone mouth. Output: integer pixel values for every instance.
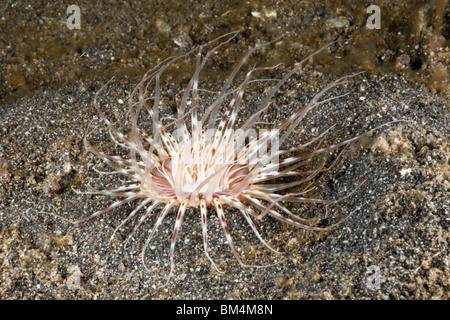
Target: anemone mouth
(189, 187)
(202, 189)
(160, 182)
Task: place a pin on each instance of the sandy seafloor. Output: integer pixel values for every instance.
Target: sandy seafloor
(397, 234)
